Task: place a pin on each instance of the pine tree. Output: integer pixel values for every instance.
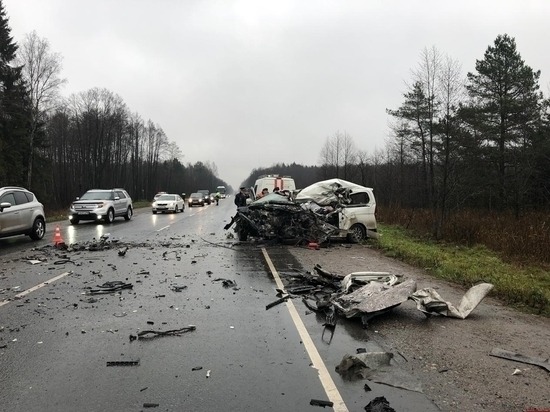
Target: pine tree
(508, 106)
(14, 110)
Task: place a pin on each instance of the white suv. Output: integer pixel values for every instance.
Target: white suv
(21, 213)
(101, 204)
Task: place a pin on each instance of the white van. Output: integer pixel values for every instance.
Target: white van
(356, 219)
(270, 182)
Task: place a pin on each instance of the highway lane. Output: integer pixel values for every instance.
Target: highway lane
(58, 340)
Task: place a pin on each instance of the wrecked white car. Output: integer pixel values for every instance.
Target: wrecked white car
(332, 208)
(354, 206)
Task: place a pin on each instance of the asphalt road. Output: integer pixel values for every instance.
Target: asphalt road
(57, 340)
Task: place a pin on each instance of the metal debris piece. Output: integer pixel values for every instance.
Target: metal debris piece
(151, 405)
(176, 288)
(109, 287)
(156, 333)
(298, 290)
(357, 279)
(428, 301)
(379, 404)
(277, 302)
(123, 363)
(374, 298)
(319, 402)
(122, 251)
(227, 283)
(518, 357)
(197, 368)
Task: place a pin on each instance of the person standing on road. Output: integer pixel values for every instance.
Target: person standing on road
(240, 198)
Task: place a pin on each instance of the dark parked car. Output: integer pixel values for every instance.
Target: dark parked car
(21, 213)
(206, 194)
(196, 199)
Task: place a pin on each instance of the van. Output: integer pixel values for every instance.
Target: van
(272, 181)
(356, 218)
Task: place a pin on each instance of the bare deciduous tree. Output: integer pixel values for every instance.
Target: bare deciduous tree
(41, 69)
(338, 156)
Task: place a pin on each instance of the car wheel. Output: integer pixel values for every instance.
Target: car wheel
(154, 212)
(110, 216)
(74, 221)
(129, 213)
(356, 233)
(38, 229)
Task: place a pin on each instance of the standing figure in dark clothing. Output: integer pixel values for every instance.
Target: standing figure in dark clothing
(240, 198)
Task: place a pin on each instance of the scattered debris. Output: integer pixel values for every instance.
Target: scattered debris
(174, 332)
(109, 287)
(376, 367)
(318, 402)
(227, 283)
(428, 301)
(373, 299)
(504, 354)
(176, 288)
(123, 363)
(277, 302)
(208, 373)
(151, 405)
(197, 368)
(379, 404)
(122, 251)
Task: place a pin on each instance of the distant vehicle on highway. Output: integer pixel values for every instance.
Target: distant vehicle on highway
(221, 190)
(206, 193)
(168, 203)
(196, 199)
(21, 213)
(101, 204)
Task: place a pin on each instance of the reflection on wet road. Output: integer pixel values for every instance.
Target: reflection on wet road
(67, 346)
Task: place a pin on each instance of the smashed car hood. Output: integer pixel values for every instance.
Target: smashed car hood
(328, 192)
(374, 297)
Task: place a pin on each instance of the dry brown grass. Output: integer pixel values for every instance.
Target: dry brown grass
(523, 241)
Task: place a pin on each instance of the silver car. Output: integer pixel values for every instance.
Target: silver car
(101, 204)
(21, 213)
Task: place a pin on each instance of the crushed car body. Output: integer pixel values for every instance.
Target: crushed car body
(328, 209)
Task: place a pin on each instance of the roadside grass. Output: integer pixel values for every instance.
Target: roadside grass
(527, 288)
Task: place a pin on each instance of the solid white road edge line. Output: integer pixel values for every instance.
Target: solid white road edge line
(324, 376)
(41, 285)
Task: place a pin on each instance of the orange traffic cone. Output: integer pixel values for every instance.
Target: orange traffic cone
(57, 238)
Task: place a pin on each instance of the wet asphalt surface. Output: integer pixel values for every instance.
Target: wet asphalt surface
(56, 341)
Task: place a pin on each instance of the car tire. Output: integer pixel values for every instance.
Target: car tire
(74, 221)
(110, 216)
(154, 212)
(176, 210)
(356, 233)
(129, 213)
(38, 229)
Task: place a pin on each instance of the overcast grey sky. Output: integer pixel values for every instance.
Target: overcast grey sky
(250, 83)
